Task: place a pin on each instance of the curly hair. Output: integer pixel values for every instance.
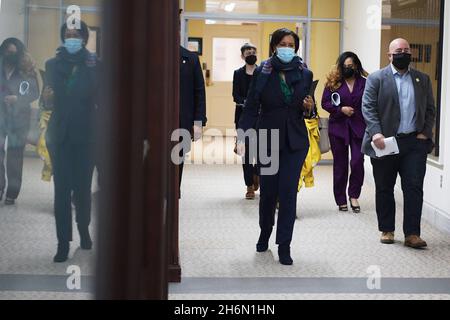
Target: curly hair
(25, 64)
(335, 78)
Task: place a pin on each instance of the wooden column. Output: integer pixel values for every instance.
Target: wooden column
(140, 103)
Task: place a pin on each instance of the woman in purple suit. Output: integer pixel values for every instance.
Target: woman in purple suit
(342, 98)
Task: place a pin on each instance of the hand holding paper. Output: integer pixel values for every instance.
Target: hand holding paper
(391, 148)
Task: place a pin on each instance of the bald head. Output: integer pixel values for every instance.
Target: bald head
(399, 45)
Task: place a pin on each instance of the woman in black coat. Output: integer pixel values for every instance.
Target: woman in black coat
(70, 92)
(18, 89)
(278, 98)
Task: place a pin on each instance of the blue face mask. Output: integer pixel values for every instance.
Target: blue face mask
(73, 45)
(285, 54)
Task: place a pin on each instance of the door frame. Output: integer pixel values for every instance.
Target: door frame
(305, 20)
(239, 17)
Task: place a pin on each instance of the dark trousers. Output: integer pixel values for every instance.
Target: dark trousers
(341, 179)
(282, 186)
(184, 150)
(73, 167)
(11, 169)
(181, 167)
(411, 165)
(249, 166)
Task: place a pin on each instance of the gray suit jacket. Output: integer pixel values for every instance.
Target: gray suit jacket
(381, 106)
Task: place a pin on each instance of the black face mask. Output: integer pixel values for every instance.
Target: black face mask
(401, 60)
(11, 59)
(348, 72)
(251, 60)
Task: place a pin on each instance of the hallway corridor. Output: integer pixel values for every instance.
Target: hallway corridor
(218, 229)
(332, 251)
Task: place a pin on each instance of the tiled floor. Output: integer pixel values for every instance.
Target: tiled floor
(333, 252)
(28, 234)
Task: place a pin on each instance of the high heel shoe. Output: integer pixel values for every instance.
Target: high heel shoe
(343, 208)
(356, 209)
(63, 252)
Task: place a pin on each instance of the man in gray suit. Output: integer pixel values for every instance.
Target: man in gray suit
(398, 102)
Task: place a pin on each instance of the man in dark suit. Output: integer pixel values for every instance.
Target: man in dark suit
(241, 84)
(192, 99)
(398, 102)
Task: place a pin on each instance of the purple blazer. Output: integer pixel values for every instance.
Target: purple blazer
(340, 125)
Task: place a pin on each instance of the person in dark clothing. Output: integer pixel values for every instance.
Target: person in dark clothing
(192, 100)
(70, 91)
(278, 99)
(241, 84)
(18, 89)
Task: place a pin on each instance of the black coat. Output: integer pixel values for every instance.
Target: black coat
(192, 91)
(75, 101)
(275, 112)
(240, 91)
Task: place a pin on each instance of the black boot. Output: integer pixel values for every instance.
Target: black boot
(63, 252)
(263, 242)
(85, 237)
(9, 202)
(284, 253)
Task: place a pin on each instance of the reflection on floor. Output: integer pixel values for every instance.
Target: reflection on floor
(334, 253)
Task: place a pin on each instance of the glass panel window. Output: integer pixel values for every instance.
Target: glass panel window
(326, 9)
(271, 7)
(225, 57)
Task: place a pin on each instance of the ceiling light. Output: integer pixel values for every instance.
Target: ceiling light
(230, 7)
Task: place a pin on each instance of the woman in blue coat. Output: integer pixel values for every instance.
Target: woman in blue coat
(277, 100)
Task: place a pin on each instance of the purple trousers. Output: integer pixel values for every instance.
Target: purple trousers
(341, 180)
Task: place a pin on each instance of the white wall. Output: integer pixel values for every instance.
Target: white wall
(362, 31)
(12, 19)
(437, 181)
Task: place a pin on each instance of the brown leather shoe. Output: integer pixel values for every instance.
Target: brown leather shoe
(256, 182)
(250, 195)
(387, 238)
(415, 242)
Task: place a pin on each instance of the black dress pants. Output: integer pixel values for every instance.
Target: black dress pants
(73, 167)
(410, 164)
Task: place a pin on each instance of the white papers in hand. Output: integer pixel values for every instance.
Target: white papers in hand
(390, 149)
